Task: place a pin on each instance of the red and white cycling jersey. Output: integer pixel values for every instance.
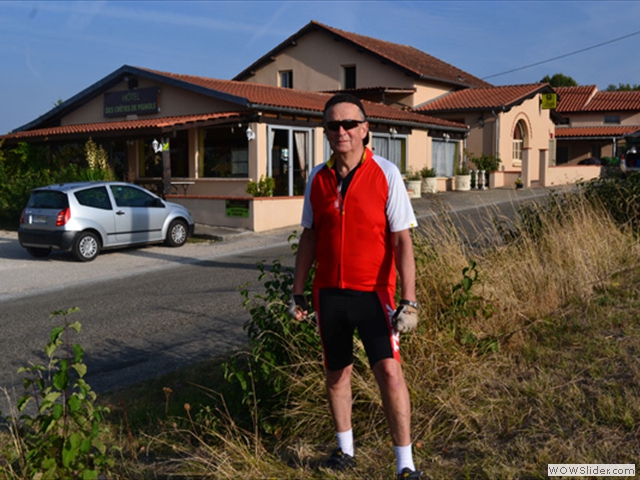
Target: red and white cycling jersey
(354, 249)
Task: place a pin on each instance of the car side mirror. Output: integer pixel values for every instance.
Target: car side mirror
(158, 203)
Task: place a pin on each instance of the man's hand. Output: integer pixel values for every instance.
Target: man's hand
(298, 308)
(405, 317)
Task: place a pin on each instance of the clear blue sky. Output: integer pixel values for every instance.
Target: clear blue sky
(51, 50)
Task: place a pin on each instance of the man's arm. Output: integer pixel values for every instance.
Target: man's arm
(405, 263)
(305, 257)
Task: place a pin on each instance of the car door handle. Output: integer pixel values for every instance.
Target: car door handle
(119, 212)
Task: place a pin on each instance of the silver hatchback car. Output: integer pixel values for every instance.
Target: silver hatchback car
(87, 217)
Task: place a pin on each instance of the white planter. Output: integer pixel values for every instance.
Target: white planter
(463, 182)
(430, 185)
(414, 188)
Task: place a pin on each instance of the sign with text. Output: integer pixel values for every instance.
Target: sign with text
(140, 101)
(237, 208)
(549, 101)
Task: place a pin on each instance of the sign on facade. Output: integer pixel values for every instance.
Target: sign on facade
(140, 101)
(549, 101)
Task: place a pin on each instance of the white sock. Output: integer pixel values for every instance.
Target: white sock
(345, 441)
(404, 458)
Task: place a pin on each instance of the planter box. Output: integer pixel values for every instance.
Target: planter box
(463, 182)
(430, 185)
(414, 188)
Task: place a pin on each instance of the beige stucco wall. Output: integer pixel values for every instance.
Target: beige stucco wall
(317, 60)
(172, 101)
(264, 213)
(597, 119)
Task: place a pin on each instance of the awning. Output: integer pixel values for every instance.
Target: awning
(154, 125)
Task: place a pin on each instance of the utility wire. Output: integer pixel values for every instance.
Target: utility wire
(563, 56)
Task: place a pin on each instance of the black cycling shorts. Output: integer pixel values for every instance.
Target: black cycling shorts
(341, 312)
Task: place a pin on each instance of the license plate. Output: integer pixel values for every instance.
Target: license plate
(39, 219)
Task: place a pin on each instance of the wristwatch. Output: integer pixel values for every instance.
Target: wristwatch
(409, 303)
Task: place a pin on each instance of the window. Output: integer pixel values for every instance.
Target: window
(518, 143)
(224, 152)
(443, 155)
(94, 197)
(612, 119)
(286, 79)
(126, 196)
(151, 162)
(393, 149)
(290, 159)
(348, 77)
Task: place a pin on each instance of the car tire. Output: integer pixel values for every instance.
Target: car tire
(86, 247)
(36, 252)
(177, 234)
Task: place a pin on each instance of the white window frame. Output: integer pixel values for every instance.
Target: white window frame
(290, 141)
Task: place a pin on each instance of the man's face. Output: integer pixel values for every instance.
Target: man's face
(346, 140)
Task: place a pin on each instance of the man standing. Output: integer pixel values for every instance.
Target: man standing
(356, 220)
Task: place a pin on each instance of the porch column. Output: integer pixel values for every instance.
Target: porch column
(527, 176)
(544, 166)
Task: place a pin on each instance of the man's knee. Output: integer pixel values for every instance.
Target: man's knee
(388, 372)
(336, 378)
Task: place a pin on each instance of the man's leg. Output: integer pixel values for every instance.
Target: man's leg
(395, 399)
(339, 394)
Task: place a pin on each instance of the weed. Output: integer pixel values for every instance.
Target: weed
(62, 438)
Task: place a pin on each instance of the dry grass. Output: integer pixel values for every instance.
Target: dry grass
(561, 383)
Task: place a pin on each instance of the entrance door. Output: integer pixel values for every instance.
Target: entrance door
(290, 159)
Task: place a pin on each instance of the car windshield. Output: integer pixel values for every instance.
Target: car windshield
(48, 199)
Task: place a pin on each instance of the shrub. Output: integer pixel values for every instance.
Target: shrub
(62, 439)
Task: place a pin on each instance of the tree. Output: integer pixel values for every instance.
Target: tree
(622, 87)
(559, 80)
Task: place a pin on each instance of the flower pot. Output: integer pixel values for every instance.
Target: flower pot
(430, 185)
(463, 182)
(414, 188)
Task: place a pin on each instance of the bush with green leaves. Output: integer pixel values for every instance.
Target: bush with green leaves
(276, 340)
(26, 166)
(62, 439)
(620, 196)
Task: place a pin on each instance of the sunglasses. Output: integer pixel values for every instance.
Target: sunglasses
(346, 124)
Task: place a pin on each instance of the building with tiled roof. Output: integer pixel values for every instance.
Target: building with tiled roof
(506, 122)
(221, 135)
(322, 58)
(594, 124)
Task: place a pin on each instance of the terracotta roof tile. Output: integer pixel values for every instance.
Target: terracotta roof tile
(267, 95)
(483, 98)
(410, 58)
(614, 102)
(119, 125)
(574, 99)
(589, 99)
(608, 131)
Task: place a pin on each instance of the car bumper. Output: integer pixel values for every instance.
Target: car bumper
(61, 240)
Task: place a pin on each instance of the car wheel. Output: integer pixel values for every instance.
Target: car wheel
(87, 247)
(177, 234)
(38, 252)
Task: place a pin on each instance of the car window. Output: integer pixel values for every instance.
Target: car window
(132, 197)
(48, 199)
(94, 197)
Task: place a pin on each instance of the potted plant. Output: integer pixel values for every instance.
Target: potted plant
(413, 182)
(429, 180)
(262, 188)
(519, 183)
(462, 178)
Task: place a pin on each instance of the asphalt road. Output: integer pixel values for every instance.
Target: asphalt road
(160, 309)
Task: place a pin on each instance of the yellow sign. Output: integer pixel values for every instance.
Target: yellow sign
(549, 100)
